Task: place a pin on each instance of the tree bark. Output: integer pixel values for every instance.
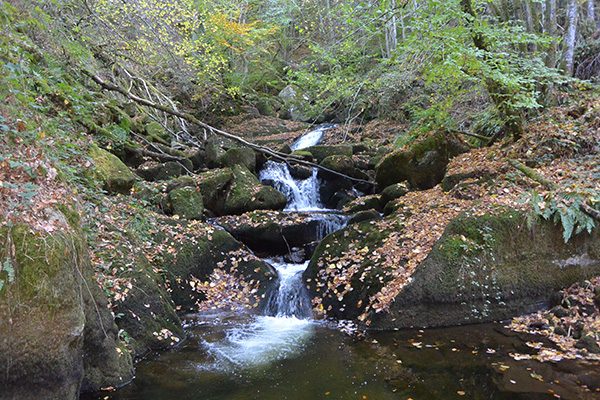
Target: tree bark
(551, 29)
(570, 38)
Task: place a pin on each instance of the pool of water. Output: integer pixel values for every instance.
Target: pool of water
(232, 356)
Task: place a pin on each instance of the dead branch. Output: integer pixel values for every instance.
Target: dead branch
(193, 120)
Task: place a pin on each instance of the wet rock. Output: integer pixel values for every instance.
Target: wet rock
(300, 171)
(560, 312)
(247, 194)
(160, 172)
(116, 176)
(423, 165)
(285, 149)
(341, 164)
(276, 232)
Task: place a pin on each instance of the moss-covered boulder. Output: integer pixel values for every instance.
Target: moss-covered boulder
(303, 155)
(181, 182)
(338, 163)
(110, 170)
(321, 152)
(155, 132)
(491, 267)
(160, 172)
(145, 311)
(186, 202)
(248, 194)
(348, 268)
(239, 156)
(214, 186)
(423, 165)
(211, 253)
(365, 215)
(364, 203)
(58, 336)
(393, 192)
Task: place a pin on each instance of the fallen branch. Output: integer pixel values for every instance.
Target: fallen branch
(191, 119)
(532, 174)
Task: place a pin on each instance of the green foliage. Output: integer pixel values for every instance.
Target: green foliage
(564, 208)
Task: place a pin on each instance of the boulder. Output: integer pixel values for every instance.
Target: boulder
(197, 157)
(160, 172)
(186, 202)
(236, 190)
(248, 194)
(365, 215)
(394, 192)
(214, 186)
(338, 163)
(491, 267)
(423, 165)
(155, 132)
(364, 203)
(486, 267)
(321, 152)
(116, 176)
(238, 156)
(180, 182)
(207, 249)
(55, 343)
(277, 232)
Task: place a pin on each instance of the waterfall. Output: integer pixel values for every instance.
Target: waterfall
(302, 194)
(311, 138)
(291, 298)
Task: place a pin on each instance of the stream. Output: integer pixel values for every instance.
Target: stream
(285, 354)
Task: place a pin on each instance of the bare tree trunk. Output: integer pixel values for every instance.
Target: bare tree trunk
(591, 13)
(570, 38)
(391, 32)
(532, 47)
(551, 28)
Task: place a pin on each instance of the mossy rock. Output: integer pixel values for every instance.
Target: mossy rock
(197, 157)
(365, 215)
(239, 156)
(300, 171)
(160, 172)
(303, 155)
(214, 149)
(321, 152)
(147, 312)
(423, 165)
(115, 176)
(58, 335)
(210, 249)
(394, 192)
(155, 132)
(338, 163)
(325, 275)
(180, 183)
(214, 186)
(248, 194)
(186, 202)
(371, 202)
(491, 267)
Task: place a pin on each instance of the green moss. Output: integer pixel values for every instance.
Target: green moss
(157, 133)
(116, 176)
(186, 202)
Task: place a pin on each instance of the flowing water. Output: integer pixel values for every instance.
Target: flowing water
(284, 354)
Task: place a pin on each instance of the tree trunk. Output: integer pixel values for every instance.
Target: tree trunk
(570, 38)
(551, 28)
(591, 13)
(531, 47)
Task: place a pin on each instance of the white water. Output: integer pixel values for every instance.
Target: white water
(288, 325)
(311, 138)
(302, 194)
(259, 343)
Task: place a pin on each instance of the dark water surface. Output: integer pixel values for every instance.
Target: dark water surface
(228, 356)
